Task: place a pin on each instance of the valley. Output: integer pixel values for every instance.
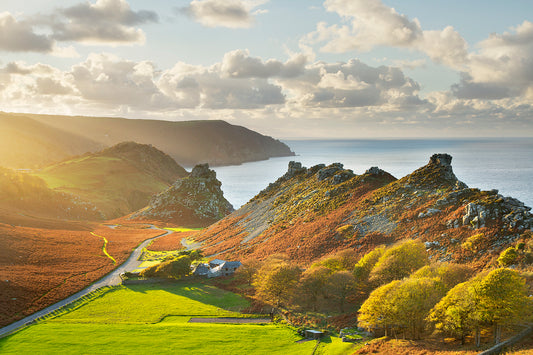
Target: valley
(317, 249)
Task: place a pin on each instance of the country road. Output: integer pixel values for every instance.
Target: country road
(111, 279)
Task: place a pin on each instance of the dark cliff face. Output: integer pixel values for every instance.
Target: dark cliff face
(192, 201)
(308, 213)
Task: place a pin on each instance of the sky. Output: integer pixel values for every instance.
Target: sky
(290, 69)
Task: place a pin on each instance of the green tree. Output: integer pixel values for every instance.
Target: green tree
(174, 268)
(362, 269)
(398, 262)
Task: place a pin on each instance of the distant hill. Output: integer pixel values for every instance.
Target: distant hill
(118, 180)
(192, 201)
(309, 213)
(25, 199)
(27, 143)
(188, 142)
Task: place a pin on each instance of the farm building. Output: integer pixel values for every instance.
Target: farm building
(216, 268)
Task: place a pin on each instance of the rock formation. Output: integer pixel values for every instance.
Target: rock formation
(192, 201)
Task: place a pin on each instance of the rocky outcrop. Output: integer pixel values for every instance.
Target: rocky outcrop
(308, 213)
(194, 201)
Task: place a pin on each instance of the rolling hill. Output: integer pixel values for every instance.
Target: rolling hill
(308, 213)
(27, 200)
(27, 143)
(117, 180)
(188, 142)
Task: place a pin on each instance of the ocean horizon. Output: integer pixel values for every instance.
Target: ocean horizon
(505, 164)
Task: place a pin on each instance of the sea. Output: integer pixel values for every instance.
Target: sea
(505, 164)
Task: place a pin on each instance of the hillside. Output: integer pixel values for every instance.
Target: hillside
(192, 201)
(311, 212)
(27, 143)
(188, 142)
(24, 198)
(117, 180)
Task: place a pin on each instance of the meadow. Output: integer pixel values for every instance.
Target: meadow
(153, 318)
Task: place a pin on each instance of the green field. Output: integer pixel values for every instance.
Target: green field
(153, 319)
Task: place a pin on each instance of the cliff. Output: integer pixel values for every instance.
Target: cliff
(192, 201)
(310, 212)
(187, 142)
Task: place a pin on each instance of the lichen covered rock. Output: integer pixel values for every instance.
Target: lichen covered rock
(194, 201)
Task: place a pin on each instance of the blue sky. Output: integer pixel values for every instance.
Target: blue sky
(334, 68)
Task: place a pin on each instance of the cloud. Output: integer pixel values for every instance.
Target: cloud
(501, 67)
(239, 64)
(104, 22)
(211, 88)
(19, 36)
(370, 23)
(352, 84)
(223, 13)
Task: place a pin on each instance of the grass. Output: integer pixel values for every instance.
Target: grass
(153, 302)
(153, 319)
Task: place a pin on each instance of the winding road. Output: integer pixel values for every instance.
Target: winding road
(111, 279)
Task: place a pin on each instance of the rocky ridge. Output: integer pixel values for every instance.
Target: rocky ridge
(310, 212)
(193, 201)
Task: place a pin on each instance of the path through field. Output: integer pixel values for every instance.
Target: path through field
(111, 279)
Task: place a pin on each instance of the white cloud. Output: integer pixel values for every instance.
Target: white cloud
(239, 64)
(104, 22)
(370, 23)
(224, 13)
(19, 36)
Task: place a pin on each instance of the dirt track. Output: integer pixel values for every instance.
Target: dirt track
(230, 320)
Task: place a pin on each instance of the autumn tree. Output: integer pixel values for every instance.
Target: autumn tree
(497, 298)
(341, 260)
(362, 269)
(312, 286)
(399, 261)
(503, 299)
(402, 305)
(377, 312)
(248, 270)
(457, 313)
(275, 282)
(450, 274)
(340, 284)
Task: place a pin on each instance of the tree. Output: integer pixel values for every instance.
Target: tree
(312, 286)
(398, 262)
(377, 311)
(449, 274)
(174, 268)
(457, 312)
(503, 299)
(341, 260)
(497, 298)
(248, 270)
(275, 283)
(340, 285)
(362, 269)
